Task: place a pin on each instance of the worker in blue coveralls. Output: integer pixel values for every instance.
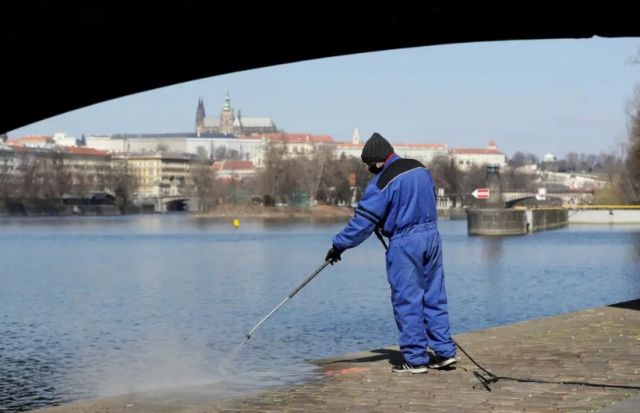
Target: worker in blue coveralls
(400, 202)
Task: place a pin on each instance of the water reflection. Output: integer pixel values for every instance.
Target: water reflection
(492, 249)
(636, 245)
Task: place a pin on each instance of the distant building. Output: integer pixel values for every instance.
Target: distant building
(159, 175)
(549, 158)
(234, 170)
(62, 139)
(353, 148)
(575, 182)
(294, 145)
(33, 141)
(228, 123)
(68, 169)
(465, 158)
(423, 152)
(211, 146)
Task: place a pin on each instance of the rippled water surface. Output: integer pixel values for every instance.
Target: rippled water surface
(91, 307)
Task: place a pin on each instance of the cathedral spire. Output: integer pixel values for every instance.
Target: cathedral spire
(200, 115)
(227, 116)
(227, 104)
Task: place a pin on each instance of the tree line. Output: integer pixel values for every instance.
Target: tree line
(51, 175)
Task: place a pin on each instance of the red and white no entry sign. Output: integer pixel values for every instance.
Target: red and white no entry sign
(481, 193)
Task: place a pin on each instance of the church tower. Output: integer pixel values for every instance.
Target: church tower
(200, 117)
(355, 139)
(226, 116)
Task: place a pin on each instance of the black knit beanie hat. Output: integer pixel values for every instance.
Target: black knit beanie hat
(377, 148)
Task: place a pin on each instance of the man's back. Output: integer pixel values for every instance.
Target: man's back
(407, 187)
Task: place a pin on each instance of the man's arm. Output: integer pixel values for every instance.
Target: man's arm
(368, 216)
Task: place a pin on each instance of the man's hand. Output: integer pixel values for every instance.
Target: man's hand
(333, 255)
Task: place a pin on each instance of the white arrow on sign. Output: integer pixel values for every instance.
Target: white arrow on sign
(481, 193)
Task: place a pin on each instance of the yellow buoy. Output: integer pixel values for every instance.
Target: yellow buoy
(236, 223)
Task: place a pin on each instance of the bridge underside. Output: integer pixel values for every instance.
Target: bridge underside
(126, 47)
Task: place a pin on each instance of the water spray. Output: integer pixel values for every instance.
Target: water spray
(295, 291)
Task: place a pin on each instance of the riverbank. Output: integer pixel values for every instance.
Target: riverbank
(320, 212)
(599, 345)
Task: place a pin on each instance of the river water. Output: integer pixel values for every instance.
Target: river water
(99, 306)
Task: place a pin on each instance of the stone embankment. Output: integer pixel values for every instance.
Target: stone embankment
(600, 346)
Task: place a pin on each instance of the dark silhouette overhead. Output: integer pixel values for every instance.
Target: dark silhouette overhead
(59, 56)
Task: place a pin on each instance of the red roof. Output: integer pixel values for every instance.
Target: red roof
(36, 138)
(30, 139)
(79, 150)
(475, 151)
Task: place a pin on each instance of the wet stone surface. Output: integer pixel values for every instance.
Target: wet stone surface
(600, 345)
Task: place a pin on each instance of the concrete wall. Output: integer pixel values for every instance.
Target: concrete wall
(604, 216)
(496, 221)
(548, 218)
(501, 221)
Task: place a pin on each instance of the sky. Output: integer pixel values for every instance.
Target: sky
(538, 96)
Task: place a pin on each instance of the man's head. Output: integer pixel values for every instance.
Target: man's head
(375, 152)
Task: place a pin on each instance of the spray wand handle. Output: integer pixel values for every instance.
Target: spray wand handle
(291, 294)
(309, 278)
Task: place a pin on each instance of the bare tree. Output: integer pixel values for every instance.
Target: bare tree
(7, 176)
(517, 181)
(84, 182)
(315, 170)
(122, 182)
(335, 186)
(268, 181)
(203, 179)
(59, 176)
(30, 181)
(473, 178)
(531, 159)
(632, 165)
(517, 160)
(446, 175)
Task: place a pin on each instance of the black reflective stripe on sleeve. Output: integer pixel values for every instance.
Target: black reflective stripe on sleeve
(400, 166)
(373, 214)
(367, 217)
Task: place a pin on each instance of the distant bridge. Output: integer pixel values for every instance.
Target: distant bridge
(171, 203)
(567, 198)
(510, 198)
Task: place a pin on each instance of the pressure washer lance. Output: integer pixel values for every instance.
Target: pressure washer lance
(492, 378)
(291, 294)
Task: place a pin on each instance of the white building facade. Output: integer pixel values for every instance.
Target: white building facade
(465, 158)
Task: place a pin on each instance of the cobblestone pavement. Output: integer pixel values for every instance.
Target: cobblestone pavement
(600, 345)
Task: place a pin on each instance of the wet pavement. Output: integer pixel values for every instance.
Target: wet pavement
(600, 346)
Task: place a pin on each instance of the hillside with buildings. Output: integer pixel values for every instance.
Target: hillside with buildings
(235, 160)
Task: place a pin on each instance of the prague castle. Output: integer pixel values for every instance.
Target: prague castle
(229, 124)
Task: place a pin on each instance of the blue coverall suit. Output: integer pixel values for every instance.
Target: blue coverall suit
(400, 201)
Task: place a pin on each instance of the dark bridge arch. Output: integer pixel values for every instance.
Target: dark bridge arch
(177, 205)
(60, 56)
